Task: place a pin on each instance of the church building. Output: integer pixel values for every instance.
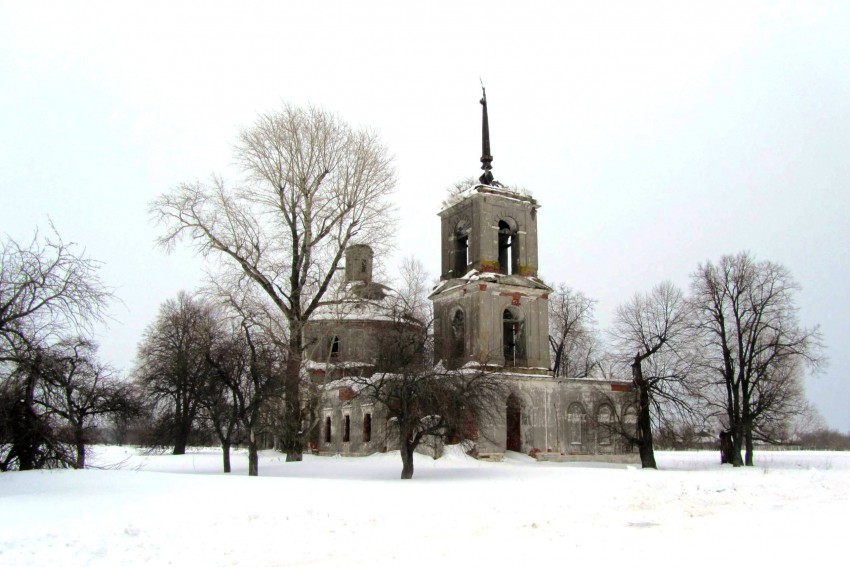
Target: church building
(490, 309)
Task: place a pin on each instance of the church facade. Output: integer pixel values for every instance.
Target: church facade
(490, 309)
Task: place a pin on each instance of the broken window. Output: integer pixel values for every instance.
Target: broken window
(327, 429)
(335, 347)
(508, 249)
(367, 427)
(458, 335)
(346, 429)
(513, 341)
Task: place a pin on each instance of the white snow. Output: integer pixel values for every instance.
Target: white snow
(162, 509)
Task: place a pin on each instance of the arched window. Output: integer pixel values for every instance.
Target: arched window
(458, 335)
(327, 429)
(575, 424)
(367, 427)
(335, 347)
(630, 420)
(346, 429)
(508, 249)
(513, 339)
(604, 424)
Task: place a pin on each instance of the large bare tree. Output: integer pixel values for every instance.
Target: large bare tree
(649, 334)
(313, 186)
(173, 369)
(753, 346)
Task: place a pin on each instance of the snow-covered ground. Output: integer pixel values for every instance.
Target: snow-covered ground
(790, 509)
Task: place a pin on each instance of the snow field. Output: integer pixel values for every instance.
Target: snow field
(181, 510)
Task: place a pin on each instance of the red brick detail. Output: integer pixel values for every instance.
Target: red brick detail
(622, 388)
(346, 394)
(515, 297)
(482, 287)
(545, 296)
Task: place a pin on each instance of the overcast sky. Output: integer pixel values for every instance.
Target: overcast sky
(655, 135)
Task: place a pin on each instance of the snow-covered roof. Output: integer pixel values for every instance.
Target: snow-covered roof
(357, 301)
(478, 276)
(512, 193)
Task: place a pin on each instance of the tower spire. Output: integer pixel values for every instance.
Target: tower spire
(486, 159)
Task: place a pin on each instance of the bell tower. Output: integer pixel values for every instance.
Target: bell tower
(490, 307)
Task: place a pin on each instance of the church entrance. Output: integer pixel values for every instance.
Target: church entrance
(514, 427)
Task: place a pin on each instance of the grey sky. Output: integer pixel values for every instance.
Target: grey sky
(656, 135)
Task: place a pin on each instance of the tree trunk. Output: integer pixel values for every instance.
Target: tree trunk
(645, 447)
(80, 442)
(406, 461)
(292, 443)
(181, 439)
(406, 448)
(225, 455)
(748, 440)
(253, 457)
(737, 441)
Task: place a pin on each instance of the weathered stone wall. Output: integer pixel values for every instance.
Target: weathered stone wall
(560, 417)
(547, 426)
(483, 304)
(478, 217)
(358, 340)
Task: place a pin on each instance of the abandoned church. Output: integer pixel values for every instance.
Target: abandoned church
(489, 308)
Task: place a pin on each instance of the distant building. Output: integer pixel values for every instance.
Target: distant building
(490, 309)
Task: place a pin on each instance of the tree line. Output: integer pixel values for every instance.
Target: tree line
(729, 355)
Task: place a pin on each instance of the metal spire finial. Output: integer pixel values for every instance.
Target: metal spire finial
(486, 159)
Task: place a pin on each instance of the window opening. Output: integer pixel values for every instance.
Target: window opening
(513, 341)
(363, 266)
(461, 255)
(508, 250)
(513, 415)
(327, 430)
(335, 347)
(367, 428)
(346, 429)
(575, 420)
(458, 335)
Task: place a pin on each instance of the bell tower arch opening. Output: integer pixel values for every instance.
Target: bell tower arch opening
(508, 249)
(461, 249)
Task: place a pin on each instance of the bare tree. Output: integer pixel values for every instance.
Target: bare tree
(48, 289)
(81, 390)
(423, 401)
(314, 185)
(245, 361)
(649, 334)
(572, 333)
(754, 347)
(172, 364)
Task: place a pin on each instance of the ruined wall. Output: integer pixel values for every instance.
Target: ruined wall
(478, 216)
(560, 417)
(483, 304)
